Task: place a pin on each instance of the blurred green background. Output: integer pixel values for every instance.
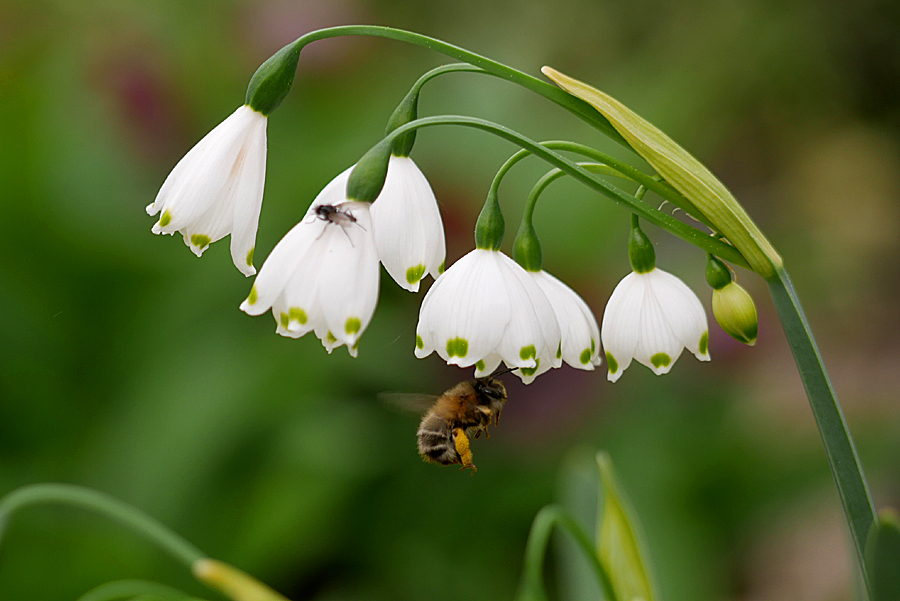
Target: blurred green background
(126, 366)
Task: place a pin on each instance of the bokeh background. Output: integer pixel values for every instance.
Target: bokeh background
(126, 366)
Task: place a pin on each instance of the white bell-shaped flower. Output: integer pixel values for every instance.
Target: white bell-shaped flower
(652, 317)
(409, 234)
(216, 189)
(486, 309)
(579, 333)
(323, 275)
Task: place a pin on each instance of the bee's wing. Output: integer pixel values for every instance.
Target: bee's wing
(409, 402)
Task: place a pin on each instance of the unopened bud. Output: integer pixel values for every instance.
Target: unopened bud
(736, 313)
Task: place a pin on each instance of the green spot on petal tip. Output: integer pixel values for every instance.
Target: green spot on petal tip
(330, 337)
(442, 268)
(285, 320)
(530, 371)
(200, 240)
(298, 315)
(353, 325)
(585, 357)
(612, 363)
(457, 347)
(704, 343)
(166, 218)
(253, 296)
(414, 274)
(250, 257)
(660, 360)
(528, 352)
(420, 344)
(480, 365)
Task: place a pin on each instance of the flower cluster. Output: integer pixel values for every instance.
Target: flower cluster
(486, 309)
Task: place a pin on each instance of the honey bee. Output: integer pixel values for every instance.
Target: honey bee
(460, 414)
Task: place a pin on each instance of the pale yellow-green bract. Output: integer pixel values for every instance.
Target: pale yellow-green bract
(685, 173)
(618, 540)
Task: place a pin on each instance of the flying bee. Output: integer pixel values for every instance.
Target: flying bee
(460, 414)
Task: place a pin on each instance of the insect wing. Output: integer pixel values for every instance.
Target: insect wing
(409, 402)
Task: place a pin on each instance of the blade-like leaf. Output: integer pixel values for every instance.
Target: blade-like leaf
(619, 540)
(685, 173)
(883, 551)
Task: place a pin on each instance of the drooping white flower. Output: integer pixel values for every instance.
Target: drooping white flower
(409, 234)
(486, 309)
(216, 189)
(652, 317)
(580, 335)
(323, 275)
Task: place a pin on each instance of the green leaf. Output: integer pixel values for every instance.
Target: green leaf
(883, 554)
(619, 540)
(685, 173)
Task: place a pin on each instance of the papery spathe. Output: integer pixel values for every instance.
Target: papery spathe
(216, 189)
(652, 317)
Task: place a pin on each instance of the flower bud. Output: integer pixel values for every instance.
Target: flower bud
(735, 312)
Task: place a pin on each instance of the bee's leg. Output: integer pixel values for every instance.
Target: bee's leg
(497, 418)
(461, 441)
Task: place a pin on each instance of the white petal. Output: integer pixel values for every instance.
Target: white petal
(658, 348)
(579, 332)
(533, 324)
(487, 365)
(621, 322)
(197, 181)
(409, 233)
(465, 311)
(683, 311)
(248, 196)
(279, 266)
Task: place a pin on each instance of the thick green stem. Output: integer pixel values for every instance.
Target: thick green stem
(845, 465)
(575, 105)
(66, 494)
(532, 587)
(649, 213)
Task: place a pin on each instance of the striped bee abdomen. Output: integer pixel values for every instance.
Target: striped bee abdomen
(435, 440)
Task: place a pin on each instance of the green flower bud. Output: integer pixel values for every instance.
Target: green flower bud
(490, 227)
(405, 112)
(640, 249)
(367, 178)
(273, 80)
(527, 248)
(736, 313)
